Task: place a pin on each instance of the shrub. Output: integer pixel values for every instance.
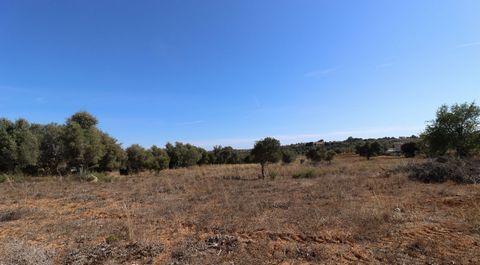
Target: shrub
(409, 149)
(441, 170)
(288, 156)
(368, 149)
(329, 155)
(306, 174)
(316, 154)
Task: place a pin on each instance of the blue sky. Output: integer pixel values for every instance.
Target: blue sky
(230, 72)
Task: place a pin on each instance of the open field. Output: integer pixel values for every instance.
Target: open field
(353, 211)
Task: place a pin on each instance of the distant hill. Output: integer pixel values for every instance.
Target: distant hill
(348, 145)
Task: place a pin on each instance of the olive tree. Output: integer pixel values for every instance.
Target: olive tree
(158, 159)
(409, 149)
(182, 155)
(266, 151)
(368, 149)
(136, 158)
(455, 127)
(51, 148)
(83, 142)
(8, 147)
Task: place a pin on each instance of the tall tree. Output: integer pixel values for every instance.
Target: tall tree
(8, 147)
(51, 148)
(114, 156)
(83, 148)
(27, 148)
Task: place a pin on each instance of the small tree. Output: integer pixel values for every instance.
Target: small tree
(136, 158)
(454, 128)
(316, 154)
(266, 151)
(182, 155)
(288, 156)
(159, 159)
(329, 155)
(409, 149)
(51, 148)
(368, 149)
(28, 149)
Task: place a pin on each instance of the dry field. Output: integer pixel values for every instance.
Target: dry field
(352, 212)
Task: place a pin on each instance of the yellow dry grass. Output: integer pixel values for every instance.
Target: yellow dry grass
(353, 212)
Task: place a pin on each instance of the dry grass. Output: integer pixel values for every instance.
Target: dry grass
(353, 211)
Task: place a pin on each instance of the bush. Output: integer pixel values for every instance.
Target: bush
(329, 155)
(316, 154)
(409, 149)
(441, 170)
(14, 178)
(369, 150)
(288, 156)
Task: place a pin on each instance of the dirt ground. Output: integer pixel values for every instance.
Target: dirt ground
(352, 212)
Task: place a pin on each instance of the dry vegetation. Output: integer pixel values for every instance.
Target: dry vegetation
(348, 212)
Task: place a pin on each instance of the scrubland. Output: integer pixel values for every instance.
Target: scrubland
(351, 211)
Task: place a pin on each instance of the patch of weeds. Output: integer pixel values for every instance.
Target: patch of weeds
(12, 215)
(111, 239)
(306, 174)
(102, 177)
(88, 177)
(13, 178)
(273, 174)
(96, 177)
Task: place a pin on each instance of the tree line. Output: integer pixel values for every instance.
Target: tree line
(79, 146)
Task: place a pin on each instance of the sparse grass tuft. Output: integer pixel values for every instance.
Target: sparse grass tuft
(306, 174)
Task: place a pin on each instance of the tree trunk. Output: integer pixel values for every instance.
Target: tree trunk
(263, 170)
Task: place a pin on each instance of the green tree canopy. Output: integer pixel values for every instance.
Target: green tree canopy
(159, 159)
(8, 146)
(316, 154)
(182, 155)
(288, 155)
(266, 151)
(409, 149)
(136, 158)
(368, 149)
(456, 128)
(83, 142)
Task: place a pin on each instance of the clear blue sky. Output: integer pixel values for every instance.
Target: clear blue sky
(230, 72)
